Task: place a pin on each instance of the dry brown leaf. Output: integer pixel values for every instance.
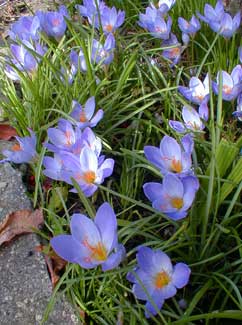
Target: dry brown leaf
(53, 261)
(7, 132)
(19, 222)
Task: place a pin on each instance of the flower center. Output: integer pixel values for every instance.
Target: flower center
(98, 252)
(161, 280)
(176, 165)
(177, 202)
(56, 22)
(68, 138)
(175, 52)
(83, 117)
(160, 30)
(89, 177)
(16, 147)
(227, 89)
(109, 28)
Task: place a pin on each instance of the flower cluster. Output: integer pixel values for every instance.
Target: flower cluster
(77, 151)
(176, 193)
(220, 21)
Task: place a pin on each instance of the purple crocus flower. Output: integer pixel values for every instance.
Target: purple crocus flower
(156, 279)
(164, 5)
(23, 151)
(78, 61)
(192, 119)
(174, 52)
(174, 196)
(86, 170)
(23, 57)
(53, 167)
(90, 10)
(231, 84)
(25, 28)
(197, 91)
(111, 19)
(103, 53)
(238, 112)
(63, 138)
(189, 27)
(92, 242)
(84, 115)
(53, 22)
(170, 157)
(155, 23)
(219, 21)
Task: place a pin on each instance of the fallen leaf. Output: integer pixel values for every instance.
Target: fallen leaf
(19, 222)
(7, 132)
(53, 261)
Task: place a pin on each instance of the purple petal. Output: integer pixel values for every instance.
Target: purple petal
(181, 275)
(84, 230)
(152, 190)
(157, 300)
(106, 222)
(114, 259)
(153, 155)
(66, 247)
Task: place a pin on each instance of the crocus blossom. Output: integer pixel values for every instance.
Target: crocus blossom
(23, 151)
(24, 59)
(156, 279)
(231, 84)
(53, 22)
(103, 53)
(220, 21)
(170, 157)
(193, 120)
(111, 19)
(92, 242)
(174, 196)
(25, 28)
(155, 23)
(84, 114)
(91, 9)
(86, 169)
(163, 5)
(173, 50)
(189, 27)
(197, 91)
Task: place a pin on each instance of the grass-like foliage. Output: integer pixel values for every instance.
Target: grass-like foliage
(146, 86)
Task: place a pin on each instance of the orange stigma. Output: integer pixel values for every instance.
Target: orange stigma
(177, 202)
(109, 28)
(175, 52)
(89, 177)
(16, 147)
(176, 166)
(56, 22)
(98, 252)
(161, 280)
(82, 117)
(68, 138)
(227, 90)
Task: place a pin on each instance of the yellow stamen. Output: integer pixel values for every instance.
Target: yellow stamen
(99, 252)
(161, 280)
(227, 89)
(176, 165)
(177, 202)
(83, 117)
(89, 177)
(16, 147)
(68, 138)
(109, 28)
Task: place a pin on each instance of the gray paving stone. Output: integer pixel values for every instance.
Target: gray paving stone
(25, 286)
